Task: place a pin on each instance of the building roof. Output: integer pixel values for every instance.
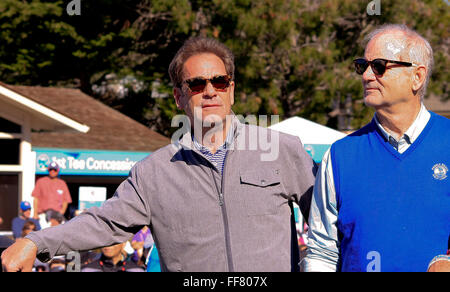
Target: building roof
(19, 109)
(109, 129)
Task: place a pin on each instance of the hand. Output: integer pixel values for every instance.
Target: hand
(137, 245)
(440, 266)
(20, 256)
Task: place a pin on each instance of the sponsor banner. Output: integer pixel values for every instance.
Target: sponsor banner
(116, 163)
(87, 162)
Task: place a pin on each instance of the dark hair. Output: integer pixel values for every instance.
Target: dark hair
(28, 224)
(195, 46)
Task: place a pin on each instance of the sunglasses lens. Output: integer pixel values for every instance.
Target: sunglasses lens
(196, 84)
(379, 66)
(220, 82)
(360, 66)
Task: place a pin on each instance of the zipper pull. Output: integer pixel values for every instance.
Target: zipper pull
(221, 199)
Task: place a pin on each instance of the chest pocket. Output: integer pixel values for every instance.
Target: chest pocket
(261, 191)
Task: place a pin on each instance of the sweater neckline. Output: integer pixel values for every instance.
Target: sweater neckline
(412, 147)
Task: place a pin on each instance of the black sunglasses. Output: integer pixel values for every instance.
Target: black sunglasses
(198, 84)
(378, 65)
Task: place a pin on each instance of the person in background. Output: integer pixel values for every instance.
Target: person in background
(57, 265)
(138, 244)
(19, 221)
(50, 195)
(4, 240)
(381, 199)
(112, 259)
(55, 218)
(28, 227)
(41, 269)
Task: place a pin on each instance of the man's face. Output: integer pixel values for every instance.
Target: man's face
(53, 173)
(209, 105)
(112, 251)
(395, 85)
(27, 213)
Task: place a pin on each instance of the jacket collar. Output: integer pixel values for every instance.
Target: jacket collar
(186, 142)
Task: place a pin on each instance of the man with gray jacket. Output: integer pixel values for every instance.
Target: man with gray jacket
(217, 199)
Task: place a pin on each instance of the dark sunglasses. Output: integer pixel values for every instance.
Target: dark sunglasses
(198, 84)
(378, 65)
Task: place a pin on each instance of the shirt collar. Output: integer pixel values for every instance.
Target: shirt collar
(226, 144)
(413, 131)
(187, 142)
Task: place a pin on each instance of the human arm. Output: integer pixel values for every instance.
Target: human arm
(303, 169)
(115, 222)
(37, 194)
(64, 208)
(138, 241)
(323, 246)
(137, 244)
(16, 227)
(67, 199)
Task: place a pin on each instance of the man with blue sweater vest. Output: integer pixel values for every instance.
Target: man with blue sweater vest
(382, 194)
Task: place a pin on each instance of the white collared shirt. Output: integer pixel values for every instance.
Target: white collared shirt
(410, 135)
(323, 244)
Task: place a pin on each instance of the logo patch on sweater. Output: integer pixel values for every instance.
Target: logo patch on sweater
(440, 171)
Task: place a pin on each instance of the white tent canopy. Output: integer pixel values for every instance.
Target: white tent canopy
(309, 132)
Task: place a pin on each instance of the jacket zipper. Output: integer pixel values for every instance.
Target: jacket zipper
(224, 216)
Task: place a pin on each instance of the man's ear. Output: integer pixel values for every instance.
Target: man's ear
(232, 93)
(419, 77)
(178, 95)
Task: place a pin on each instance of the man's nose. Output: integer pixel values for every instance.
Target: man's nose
(209, 90)
(368, 75)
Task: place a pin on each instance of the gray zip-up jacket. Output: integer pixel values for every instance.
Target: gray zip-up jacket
(202, 220)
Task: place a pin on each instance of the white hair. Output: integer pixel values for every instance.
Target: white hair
(420, 51)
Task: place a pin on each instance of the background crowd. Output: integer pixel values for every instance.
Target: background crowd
(130, 256)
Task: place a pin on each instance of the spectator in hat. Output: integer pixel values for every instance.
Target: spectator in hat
(50, 194)
(18, 223)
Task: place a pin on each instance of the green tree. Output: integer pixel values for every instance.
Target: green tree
(42, 44)
(292, 57)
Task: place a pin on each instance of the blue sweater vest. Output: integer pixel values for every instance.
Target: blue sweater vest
(393, 209)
